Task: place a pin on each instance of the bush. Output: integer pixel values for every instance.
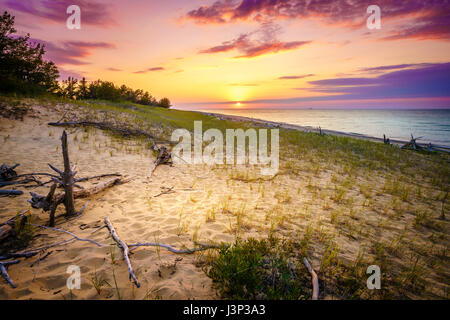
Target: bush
(22, 67)
(260, 269)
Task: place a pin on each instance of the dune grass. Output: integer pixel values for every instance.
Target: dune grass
(345, 203)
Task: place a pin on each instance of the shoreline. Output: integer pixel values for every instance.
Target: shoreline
(325, 195)
(284, 125)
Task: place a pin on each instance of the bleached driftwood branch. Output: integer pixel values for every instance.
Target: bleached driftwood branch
(315, 279)
(125, 250)
(4, 273)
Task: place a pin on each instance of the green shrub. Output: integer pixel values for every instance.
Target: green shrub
(260, 269)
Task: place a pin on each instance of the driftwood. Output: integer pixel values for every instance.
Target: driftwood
(98, 176)
(108, 126)
(315, 279)
(125, 250)
(165, 190)
(33, 252)
(52, 200)
(7, 173)
(13, 226)
(67, 232)
(200, 247)
(10, 192)
(4, 273)
(164, 157)
(67, 180)
(43, 202)
(20, 182)
(8, 176)
(412, 144)
(10, 255)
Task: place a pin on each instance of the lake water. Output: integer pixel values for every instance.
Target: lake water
(432, 125)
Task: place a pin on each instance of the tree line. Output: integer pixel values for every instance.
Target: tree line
(24, 70)
(106, 90)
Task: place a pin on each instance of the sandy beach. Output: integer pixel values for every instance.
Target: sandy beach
(208, 204)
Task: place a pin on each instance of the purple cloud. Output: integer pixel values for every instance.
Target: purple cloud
(92, 12)
(419, 19)
(430, 80)
(149, 70)
(262, 41)
(391, 67)
(71, 52)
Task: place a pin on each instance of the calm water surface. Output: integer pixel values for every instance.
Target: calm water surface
(432, 125)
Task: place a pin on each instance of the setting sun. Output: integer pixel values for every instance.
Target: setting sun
(280, 149)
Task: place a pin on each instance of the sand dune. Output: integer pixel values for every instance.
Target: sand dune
(209, 204)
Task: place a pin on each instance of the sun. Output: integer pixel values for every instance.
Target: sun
(238, 104)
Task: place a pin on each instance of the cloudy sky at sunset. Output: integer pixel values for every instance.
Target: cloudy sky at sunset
(267, 53)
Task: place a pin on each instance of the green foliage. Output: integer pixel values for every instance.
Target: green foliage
(106, 90)
(164, 103)
(259, 269)
(22, 67)
(23, 70)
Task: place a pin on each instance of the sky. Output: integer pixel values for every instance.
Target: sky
(253, 53)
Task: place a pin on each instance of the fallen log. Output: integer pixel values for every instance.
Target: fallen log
(43, 202)
(10, 192)
(315, 279)
(66, 179)
(51, 200)
(109, 126)
(98, 176)
(125, 250)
